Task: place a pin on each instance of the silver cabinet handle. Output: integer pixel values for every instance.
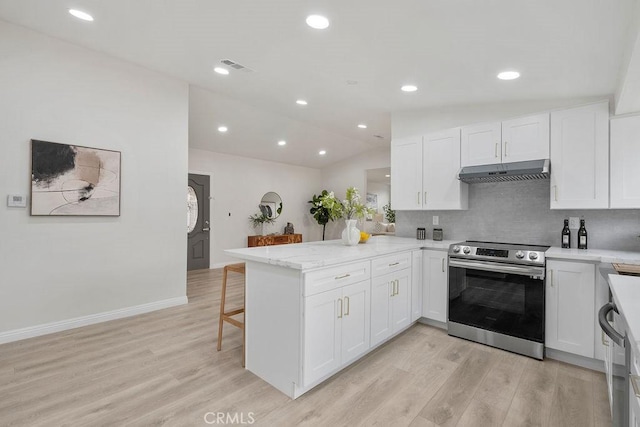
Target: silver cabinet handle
(424, 202)
(397, 287)
(551, 277)
(346, 311)
(496, 150)
(340, 315)
(604, 339)
(635, 382)
(393, 287)
(342, 277)
(555, 192)
(443, 265)
(505, 148)
(206, 229)
(418, 198)
(395, 263)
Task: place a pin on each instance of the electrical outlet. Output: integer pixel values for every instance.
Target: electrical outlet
(574, 222)
(436, 220)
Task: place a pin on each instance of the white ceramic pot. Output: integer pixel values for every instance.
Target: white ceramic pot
(350, 235)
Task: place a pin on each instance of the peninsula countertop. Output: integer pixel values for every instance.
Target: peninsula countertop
(305, 256)
(626, 294)
(606, 256)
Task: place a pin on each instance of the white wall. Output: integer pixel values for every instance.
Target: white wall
(238, 184)
(59, 268)
(352, 173)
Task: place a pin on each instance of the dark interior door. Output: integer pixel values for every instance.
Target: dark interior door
(198, 224)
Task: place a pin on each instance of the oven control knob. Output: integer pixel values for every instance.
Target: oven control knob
(456, 249)
(466, 250)
(533, 256)
(519, 254)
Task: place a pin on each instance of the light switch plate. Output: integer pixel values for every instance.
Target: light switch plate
(436, 220)
(16, 201)
(574, 222)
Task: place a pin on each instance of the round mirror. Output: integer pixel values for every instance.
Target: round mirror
(271, 205)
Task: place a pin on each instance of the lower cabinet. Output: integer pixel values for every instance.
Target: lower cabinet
(434, 282)
(390, 304)
(336, 329)
(570, 307)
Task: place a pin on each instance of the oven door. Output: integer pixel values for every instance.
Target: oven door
(503, 298)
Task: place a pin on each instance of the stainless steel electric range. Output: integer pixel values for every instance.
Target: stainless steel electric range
(496, 295)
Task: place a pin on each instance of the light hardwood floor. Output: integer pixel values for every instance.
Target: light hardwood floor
(163, 368)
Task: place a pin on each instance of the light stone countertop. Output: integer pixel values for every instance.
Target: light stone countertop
(595, 255)
(305, 256)
(626, 294)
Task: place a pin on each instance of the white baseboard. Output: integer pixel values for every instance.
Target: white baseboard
(574, 359)
(63, 325)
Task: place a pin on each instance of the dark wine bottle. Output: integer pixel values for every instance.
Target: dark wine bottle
(566, 235)
(582, 236)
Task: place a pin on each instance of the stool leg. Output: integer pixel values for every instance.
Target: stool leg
(244, 326)
(223, 295)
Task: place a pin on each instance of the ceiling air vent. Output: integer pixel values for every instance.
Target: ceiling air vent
(236, 66)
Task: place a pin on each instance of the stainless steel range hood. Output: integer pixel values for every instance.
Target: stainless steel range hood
(516, 171)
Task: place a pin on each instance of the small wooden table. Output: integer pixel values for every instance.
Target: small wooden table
(274, 239)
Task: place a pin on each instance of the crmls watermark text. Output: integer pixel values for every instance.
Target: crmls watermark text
(222, 418)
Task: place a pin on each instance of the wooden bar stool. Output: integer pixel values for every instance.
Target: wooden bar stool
(226, 316)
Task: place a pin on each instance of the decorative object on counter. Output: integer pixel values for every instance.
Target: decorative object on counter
(582, 236)
(70, 180)
(389, 213)
(364, 236)
(421, 233)
(437, 234)
(325, 208)
(566, 235)
(260, 219)
(288, 229)
(353, 209)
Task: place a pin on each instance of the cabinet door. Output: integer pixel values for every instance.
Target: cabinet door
(406, 173)
(441, 164)
(401, 300)
(602, 342)
(380, 309)
(322, 315)
(625, 159)
(570, 307)
(416, 285)
(434, 279)
(580, 158)
(481, 144)
(355, 320)
(525, 138)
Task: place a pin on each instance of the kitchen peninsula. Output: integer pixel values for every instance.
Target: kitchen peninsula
(314, 308)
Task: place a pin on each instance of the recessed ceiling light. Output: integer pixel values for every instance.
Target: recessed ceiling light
(221, 70)
(322, 152)
(318, 22)
(222, 129)
(282, 142)
(81, 15)
(409, 88)
(301, 102)
(508, 75)
(387, 176)
(362, 126)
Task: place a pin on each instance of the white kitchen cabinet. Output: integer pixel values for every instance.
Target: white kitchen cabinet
(634, 399)
(515, 140)
(434, 291)
(416, 285)
(424, 172)
(570, 307)
(441, 163)
(390, 304)
(580, 157)
(625, 161)
(336, 329)
(406, 173)
(525, 138)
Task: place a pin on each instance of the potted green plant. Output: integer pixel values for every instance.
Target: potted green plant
(389, 213)
(259, 220)
(325, 208)
(353, 209)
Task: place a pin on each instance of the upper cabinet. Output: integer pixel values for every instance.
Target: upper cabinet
(424, 172)
(580, 157)
(525, 138)
(625, 162)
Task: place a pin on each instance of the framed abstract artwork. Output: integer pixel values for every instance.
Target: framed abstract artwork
(74, 180)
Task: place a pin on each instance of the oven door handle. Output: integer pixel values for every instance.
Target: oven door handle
(606, 326)
(497, 267)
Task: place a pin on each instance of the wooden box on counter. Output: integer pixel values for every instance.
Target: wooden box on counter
(281, 239)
